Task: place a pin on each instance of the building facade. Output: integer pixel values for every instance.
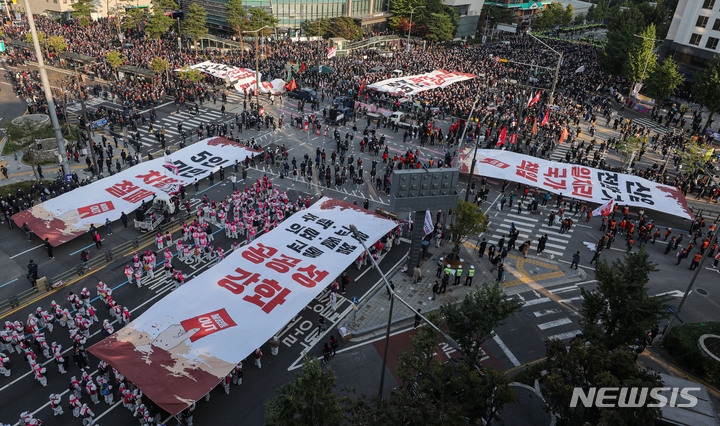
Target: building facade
(467, 23)
(694, 35)
(523, 11)
(292, 13)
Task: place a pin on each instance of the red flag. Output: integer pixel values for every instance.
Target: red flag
(502, 137)
(302, 67)
(362, 86)
(535, 99)
(513, 138)
(534, 126)
(291, 86)
(545, 119)
(563, 134)
(605, 209)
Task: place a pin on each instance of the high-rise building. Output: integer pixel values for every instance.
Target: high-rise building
(694, 34)
(292, 13)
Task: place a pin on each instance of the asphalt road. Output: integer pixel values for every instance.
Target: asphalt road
(550, 308)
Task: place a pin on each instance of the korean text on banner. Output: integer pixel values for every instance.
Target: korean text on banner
(70, 215)
(411, 84)
(181, 347)
(582, 183)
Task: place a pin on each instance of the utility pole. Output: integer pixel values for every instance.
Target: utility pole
(410, 27)
(557, 68)
(699, 268)
(46, 88)
(88, 124)
(257, 62)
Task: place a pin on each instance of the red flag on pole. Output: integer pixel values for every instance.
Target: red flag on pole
(534, 126)
(362, 86)
(605, 209)
(291, 86)
(546, 118)
(513, 138)
(535, 99)
(563, 134)
(302, 67)
(502, 137)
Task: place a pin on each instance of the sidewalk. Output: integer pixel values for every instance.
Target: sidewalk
(521, 273)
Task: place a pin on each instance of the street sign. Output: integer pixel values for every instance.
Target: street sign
(355, 300)
(68, 178)
(672, 310)
(99, 123)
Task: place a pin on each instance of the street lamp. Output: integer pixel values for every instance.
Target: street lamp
(666, 333)
(46, 89)
(462, 139)
(410, 27)
(557, 68)
(393, 295)
(257, 63)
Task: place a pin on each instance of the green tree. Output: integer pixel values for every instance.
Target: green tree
(437, 394)
(343, 26)
(472, 321)
(597, 12)
(553, 15)
(422, 19)
(467, 221)
(193, 24)
(440, 26)
(691, 153)
(309, 399)
(627, 147)
(706, 87)
(40, 35)
(259, 18)
(57, 43)
(158, 23)
(496, 14)
(133, 18)
(82, 10)
(619, 310)
(314, 28)
(641, 60)
(190, 75)
(587, 365)
(114, 59)
(663, 80)
(237, 19)
(620, 39)
(160, 65)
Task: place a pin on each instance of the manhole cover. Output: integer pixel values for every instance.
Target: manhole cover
(701, 291)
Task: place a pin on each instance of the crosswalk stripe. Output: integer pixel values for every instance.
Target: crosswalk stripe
(556, 323)
(537, 301)
(567, 335)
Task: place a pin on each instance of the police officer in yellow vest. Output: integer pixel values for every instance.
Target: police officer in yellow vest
(471, 273)
(458, 274)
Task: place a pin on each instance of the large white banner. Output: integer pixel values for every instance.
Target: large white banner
(181, 347)
(241, 77)
(580, 182)
(412, 84)
(70, 215)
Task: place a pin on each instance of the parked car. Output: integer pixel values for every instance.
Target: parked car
(307, 95)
